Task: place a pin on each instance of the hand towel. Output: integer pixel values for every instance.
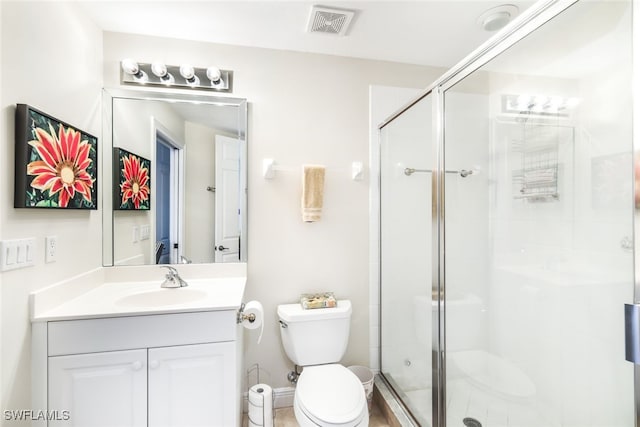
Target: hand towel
(312, 192)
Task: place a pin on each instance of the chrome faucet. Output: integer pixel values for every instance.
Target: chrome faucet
(173, 279)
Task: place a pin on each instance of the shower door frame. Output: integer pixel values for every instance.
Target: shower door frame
(528, 22)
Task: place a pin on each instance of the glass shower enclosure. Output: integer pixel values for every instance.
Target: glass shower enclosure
(506, 229)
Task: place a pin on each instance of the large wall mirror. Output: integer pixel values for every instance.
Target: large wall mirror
(175, 178)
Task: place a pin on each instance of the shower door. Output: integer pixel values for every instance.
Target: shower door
(538, 258)
(406, 161)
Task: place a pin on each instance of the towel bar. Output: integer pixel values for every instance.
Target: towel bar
(269, 168)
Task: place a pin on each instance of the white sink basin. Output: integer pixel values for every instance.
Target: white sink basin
(161, 297)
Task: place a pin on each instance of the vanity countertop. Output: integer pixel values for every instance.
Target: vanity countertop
(119, 298)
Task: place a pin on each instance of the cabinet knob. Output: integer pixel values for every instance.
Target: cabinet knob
(153, 364)
(136, 366)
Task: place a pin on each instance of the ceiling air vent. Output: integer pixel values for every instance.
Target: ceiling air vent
(329, 20)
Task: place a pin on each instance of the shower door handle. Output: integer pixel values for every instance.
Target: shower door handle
(632, 333)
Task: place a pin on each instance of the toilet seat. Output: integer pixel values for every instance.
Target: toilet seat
(331, 395)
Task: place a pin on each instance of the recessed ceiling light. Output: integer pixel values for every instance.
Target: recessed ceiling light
(497, 17)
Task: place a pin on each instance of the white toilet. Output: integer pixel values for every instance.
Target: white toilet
(327, 393)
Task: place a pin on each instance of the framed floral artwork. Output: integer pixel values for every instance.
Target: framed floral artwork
(56, 164)
(131, 181)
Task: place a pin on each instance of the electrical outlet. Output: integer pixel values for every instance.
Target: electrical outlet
(51, 248)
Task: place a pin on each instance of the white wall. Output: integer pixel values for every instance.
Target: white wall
(52, 60)
(304, 108)
(133, 130)
(2, 132)
(199, 204)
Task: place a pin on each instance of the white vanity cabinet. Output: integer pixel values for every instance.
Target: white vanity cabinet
(188, 384)
(179, 369)
(99, 389)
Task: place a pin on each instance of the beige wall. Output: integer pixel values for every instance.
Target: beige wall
(52, 60)
(303, 108)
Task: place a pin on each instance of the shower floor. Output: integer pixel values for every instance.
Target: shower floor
(464, 400)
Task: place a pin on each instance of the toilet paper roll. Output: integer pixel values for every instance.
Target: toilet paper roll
(260, 406)
(255, 308)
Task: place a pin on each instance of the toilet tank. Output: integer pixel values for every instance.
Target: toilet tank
(315, 336)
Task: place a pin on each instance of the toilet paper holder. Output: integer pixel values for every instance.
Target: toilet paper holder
(251, 317)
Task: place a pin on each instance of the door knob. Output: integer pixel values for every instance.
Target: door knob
(221, 248)
(136, 366)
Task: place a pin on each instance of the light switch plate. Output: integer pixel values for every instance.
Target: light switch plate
(17, 253)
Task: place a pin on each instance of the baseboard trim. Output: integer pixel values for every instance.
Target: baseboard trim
(282, 398)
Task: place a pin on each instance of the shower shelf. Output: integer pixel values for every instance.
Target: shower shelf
(537, 179)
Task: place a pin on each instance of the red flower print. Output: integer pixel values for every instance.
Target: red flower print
(136, 180)
(63, 168)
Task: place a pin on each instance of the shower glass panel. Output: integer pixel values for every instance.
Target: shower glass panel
(405, 246)
(538, 258)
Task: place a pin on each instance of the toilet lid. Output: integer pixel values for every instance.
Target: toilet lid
(331, 394)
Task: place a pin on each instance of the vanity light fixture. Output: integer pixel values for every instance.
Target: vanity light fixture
(542, 105)
(173, 76)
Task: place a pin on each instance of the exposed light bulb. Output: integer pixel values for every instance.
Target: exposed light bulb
(131, 67)
(214, 74)
(187, 71)
(159, 69)
(524, 101)
(555, 104)
(540, 101)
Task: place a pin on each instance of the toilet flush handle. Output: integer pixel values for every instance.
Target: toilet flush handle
(283, 325)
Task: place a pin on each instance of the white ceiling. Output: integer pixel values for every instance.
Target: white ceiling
(426, 32)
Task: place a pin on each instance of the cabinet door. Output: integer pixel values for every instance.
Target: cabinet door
(193, 386)
(99, 389)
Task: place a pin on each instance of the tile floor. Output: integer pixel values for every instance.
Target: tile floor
(286, 418)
